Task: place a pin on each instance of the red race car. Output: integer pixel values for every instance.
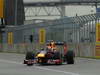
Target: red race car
(51, 55)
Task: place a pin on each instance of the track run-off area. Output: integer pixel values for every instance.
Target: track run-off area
(12, 64)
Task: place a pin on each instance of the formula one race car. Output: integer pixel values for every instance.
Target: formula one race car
(51, 55)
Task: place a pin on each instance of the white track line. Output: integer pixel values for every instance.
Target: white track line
(8, 61)
(59, 71)
(45, 69)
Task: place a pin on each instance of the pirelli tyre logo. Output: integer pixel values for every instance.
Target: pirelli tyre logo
(42, 33)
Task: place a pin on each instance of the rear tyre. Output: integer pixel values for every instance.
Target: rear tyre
(69, 57)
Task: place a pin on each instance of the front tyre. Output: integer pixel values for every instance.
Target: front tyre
(70, 57)
(29, 58)
(29, 55)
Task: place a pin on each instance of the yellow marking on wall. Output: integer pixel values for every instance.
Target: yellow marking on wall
(1, 8)
(10, 38)
(42, 33)
(98, 32)
(97, 47)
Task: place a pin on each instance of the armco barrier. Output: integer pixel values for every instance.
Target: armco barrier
(20, 48)
(81, 49)
(85, 50)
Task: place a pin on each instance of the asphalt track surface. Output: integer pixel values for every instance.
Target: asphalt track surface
(12, 64)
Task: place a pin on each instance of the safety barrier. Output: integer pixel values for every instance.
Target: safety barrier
(81, 49)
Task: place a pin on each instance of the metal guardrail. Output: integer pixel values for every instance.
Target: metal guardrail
(65, 2)
(80, 20)
(82, 49)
